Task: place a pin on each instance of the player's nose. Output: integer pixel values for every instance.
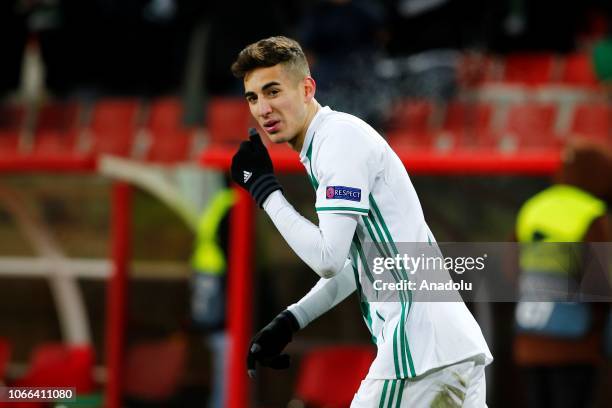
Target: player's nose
(264, 108)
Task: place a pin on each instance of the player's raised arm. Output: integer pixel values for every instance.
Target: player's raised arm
(325, 247)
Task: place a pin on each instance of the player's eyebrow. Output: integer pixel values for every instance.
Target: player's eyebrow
(269, 84)
(248, 94)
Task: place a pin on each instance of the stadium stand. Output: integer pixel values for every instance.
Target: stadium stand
(5, 355)
(57, 128)
(12, 123)
(60, 365)
(227, 118)
(529, 69)
(577, 71)
(113, 124)
(326, 380)
(411, 123)
(170, 141)
(591, 120)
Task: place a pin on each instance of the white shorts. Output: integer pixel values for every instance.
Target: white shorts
(458, 385)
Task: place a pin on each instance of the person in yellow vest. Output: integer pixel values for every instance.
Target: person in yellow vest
(559, 342)
(208, 284)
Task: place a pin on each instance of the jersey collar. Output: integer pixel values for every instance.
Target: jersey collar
(314, 124)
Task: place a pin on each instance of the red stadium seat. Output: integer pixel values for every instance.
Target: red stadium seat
(12, 120)
(153, 370)
(530, 125)
(592, 120)
(329, 377)
(57, 128)
(228, 120)
(578, 71)
(529, 69)
(60, 365)
(170, 140)
(409, 124)
(113, 124)
(475, 69)
(5, 355)
(467, 125)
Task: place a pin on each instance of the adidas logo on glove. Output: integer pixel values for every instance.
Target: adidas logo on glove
(247, 175)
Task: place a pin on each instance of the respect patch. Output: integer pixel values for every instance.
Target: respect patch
(343, 193)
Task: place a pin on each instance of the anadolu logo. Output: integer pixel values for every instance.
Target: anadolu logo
(343, 193)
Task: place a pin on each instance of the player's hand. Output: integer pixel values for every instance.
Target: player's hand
(252, 168)
(267, 345)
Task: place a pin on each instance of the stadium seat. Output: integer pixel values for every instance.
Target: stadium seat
(577, 70)
(5, 355)
(410, 124)
(57, 128)
(530, 69)
(467, 124)
(593, 120)
(530, 125)
(113, 124)
(329, 377)
(475, 69)
(60, 365)
(227, 119)
(170, 140)
(12, 122)
(153, 370)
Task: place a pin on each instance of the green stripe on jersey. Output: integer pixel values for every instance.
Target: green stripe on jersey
(381, 404)
(401, 392)
(406, 355)
(390, 240)
(359, 210)
(391, 395)
(311, 176)
(403, 342)
(362, 257)
(364, 306)
(398, 373)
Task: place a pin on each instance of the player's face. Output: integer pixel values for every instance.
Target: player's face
(278, 102)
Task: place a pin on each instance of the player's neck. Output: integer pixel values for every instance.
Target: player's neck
(297, 142)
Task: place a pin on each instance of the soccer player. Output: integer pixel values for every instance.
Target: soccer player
(428, 353)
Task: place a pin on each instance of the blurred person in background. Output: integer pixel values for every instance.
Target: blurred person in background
(208, 286)
(538, 25)
(426, 38)
(559, 340)
(343, 41)
(106, 47)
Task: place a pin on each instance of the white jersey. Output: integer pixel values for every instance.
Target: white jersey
(354, 171)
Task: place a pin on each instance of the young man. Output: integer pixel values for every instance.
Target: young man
(428, 353)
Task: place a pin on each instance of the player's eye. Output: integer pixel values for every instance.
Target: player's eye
(273, 92)
(251, 99)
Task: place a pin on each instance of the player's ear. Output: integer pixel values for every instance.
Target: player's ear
(309, 89)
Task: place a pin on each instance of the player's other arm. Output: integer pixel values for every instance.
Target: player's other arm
(324, 296)
(267, 345)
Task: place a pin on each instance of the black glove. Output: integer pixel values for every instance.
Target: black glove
(252, 169)
(267, 345)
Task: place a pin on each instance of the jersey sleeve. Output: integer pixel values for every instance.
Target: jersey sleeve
(325, 295)
(344, 170)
